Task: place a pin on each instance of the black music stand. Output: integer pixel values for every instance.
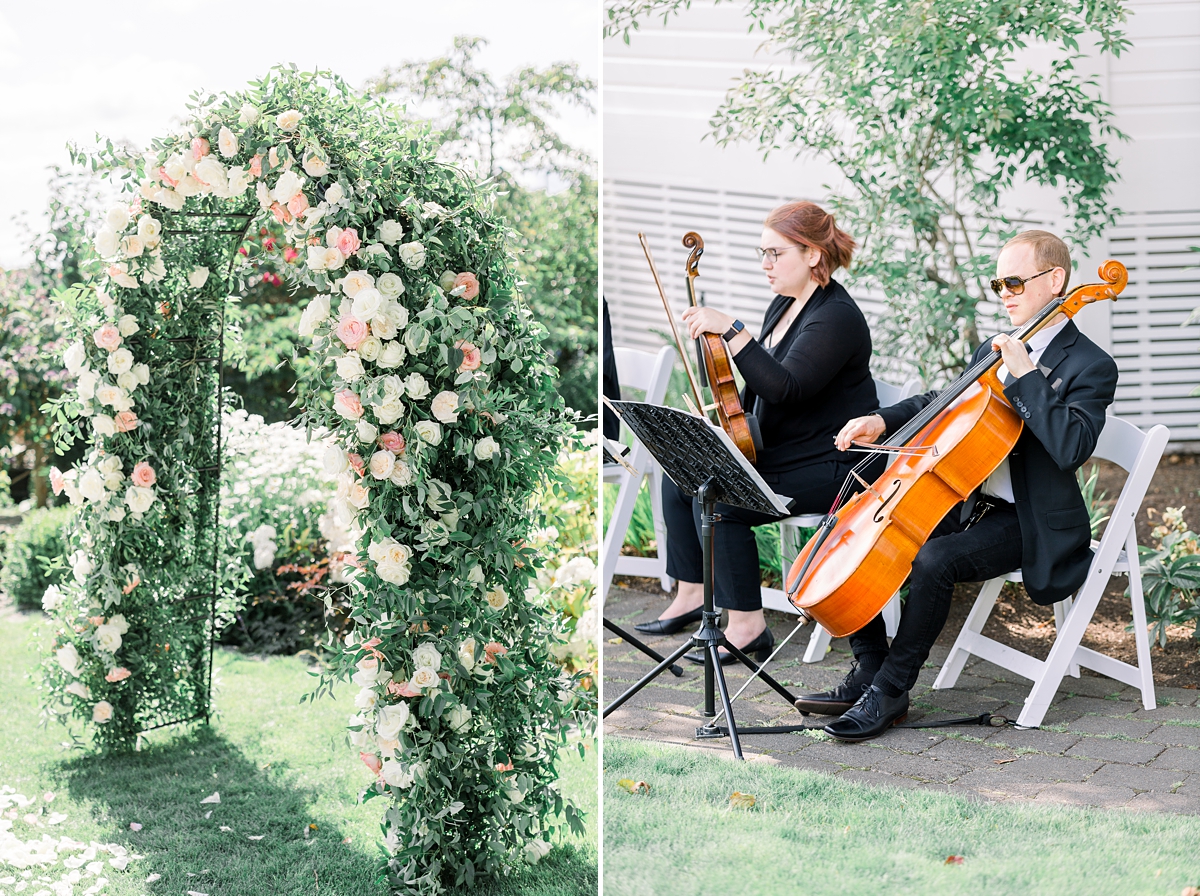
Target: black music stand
(703, 461)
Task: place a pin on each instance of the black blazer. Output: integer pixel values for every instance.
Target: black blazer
(1063, 411)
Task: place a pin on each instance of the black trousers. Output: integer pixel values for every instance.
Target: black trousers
(991, 547)
(737, 584)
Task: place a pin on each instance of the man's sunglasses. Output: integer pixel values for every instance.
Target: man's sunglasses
(1015, 285)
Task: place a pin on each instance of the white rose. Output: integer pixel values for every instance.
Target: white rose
(198, 277)
(247, 114)
(107, 394)
(394, 775)
(401, 474)
(390, 286)
(110, 464)
(102, 712)
(169, 199)
(497, 599)
(212, 172)
(349, 367)
(486, 448)
(120, 361)
(314, 165)
(106, 242)
(148, 227)
(116, 513)
(392, 355)
(315, 258)
(79, 689)
(120, 276)
(288, 121)
(68, 658)
(335, 194)
(358, 496)
(316, 312)
(81, 566)
(445, 406)
(227, 143)
(390, 719)
(388, 411)
(91, 485)
(175, 167)
(189, 186)
(413, 255)
(466, 654)
(343, 407)
(334, 460)
(155, 272)
(415, 386)
(396, 573)
(382, 326)
(370, 348)
(132, 246)
(127, 325)
(367, 432)
(263, 195)
(332, 259)
(118, 218)
(104, 425)
(429, 431)
(239, 181)
(366, 698)
(427, 654)
(391, 232)
(446, 281)
(289, 184)
(108, 638)
(424, 678)
(354, 282)
(382, 463)
(367, 303)
(139, 499)
(535, 850)
(393, 386)
(142, 372)
(459, 718)
(74, 358)
(575, 571)
(52, 599)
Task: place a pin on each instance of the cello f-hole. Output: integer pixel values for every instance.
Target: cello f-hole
(879, 512)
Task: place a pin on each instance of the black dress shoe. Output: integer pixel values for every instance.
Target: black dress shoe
(671, 624)
(873, 714)
(842, 697)
(758, 649)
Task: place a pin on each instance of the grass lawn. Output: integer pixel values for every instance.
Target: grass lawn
(279, 767)
(812, 834)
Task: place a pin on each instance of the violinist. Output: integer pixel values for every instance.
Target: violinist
(1029, 514)
(810, 365)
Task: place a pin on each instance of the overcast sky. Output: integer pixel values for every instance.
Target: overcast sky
(70, 69)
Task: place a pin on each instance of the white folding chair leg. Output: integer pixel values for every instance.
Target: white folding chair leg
(818, 644)
(1140, 633)
(654, 483)
(891, 615)
(953, 666)
(1061, 609)
(614, 538)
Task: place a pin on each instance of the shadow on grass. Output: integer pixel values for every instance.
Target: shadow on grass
(161, 788)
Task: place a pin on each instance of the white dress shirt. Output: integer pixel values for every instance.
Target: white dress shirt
(999, 484)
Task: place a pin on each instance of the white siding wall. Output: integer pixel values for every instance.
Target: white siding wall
(662, 177)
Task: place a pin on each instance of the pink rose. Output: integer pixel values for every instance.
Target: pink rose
(126, 421)
(470, 352)
(108, 337)
(467, 279)
(57, 483)
(297, 204)
(162, 175)
(256, 166)
(199, 148)
(131, 584)
(353, 332)
(392, 441)
(282, 215)
(356, 461)
(144, 475)
(348, 241)
(403, 689)
(347, 404)
(374, 642)
(493, 650)
(118, 674)
(371, 761)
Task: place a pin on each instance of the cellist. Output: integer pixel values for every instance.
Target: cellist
(1029, 514)
(809, 367)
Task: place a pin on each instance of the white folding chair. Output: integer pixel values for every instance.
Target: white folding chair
(650, 373)
(790, 545)
(1138, 453)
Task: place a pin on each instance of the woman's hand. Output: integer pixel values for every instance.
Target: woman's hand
(1016, 357)
(860, 429)
(706, 320)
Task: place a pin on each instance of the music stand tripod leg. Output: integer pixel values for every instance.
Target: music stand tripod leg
(650, 676)
(634, 642)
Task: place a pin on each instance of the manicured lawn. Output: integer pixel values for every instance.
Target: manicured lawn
(812, 834)
(281, 767)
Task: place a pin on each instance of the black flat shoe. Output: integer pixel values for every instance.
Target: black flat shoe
(841, 698)
(671, 624)
(873, 714)
(758, 650)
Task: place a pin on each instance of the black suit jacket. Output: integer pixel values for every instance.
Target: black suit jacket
(1062, 405)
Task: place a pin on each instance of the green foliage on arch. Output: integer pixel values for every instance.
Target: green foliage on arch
(438, 404)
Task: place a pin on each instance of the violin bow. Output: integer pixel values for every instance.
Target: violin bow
(687, 362)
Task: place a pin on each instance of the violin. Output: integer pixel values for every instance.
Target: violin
(862, 553)
(718, 363)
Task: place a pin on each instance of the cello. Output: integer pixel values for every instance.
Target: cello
(741, 427)
(864, 550)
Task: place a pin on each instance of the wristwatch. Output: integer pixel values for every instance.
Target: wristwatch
(736, 328)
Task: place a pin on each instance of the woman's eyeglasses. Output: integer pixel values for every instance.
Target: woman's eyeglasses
(1015, 285)
(772, 255)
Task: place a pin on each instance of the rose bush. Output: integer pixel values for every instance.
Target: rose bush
(462, 707)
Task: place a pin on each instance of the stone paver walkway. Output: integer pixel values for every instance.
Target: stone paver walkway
(1097, 746)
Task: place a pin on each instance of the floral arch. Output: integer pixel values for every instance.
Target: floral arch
(443, 418)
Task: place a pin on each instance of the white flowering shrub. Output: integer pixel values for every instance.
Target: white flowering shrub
(444, 420)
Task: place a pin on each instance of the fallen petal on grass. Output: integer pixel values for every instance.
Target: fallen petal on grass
(215, 798)
(226, 828)
(151, 878)
(739, 800)
(255, 836)
(134, 826)
(954, 860)
(631, 786)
